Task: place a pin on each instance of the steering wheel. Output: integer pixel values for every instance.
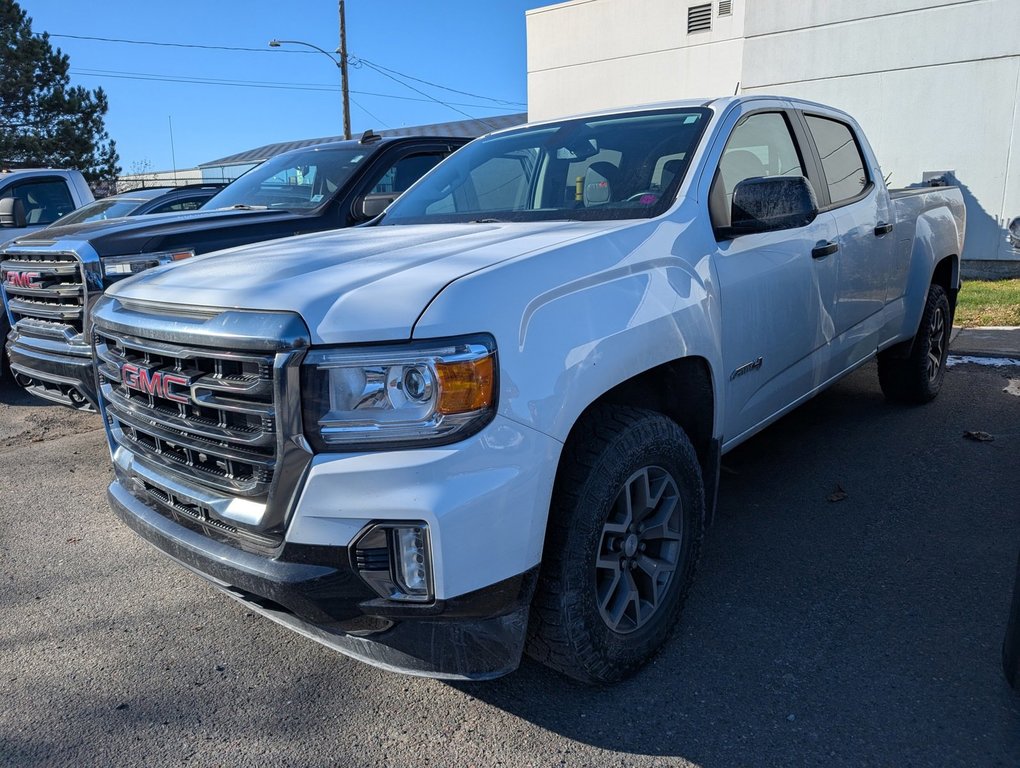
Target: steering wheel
(645, 197)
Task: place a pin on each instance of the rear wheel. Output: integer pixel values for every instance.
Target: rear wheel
(624, 535)
(917, 376)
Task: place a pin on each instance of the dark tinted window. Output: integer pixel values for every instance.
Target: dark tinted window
(403, 173)
(185, 204)
(45, 201)
(841, 158)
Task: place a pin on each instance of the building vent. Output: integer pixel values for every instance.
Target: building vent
(699, 18)
(725, 7)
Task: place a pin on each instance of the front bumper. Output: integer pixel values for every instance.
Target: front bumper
(314, 591)
(53, 368)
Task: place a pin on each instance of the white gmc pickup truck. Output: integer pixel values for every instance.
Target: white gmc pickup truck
(491, 421)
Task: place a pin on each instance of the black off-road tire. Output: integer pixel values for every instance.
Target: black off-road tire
(916, 377)
(613, 454)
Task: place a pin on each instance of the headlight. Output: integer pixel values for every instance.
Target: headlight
(363, 398)
(116, 267)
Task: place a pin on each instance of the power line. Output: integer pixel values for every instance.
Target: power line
(373, 65)
(427, 96)
(443, 87)
(362, 108)
(274, 85)
(385, 71)
(174, 45)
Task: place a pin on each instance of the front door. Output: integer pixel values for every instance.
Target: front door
(776, 292)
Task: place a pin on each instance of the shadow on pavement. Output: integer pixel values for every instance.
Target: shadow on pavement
(864, 631)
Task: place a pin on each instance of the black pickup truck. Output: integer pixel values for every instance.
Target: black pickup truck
(50, 278)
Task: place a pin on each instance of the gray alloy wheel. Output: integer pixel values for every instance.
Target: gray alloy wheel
(936, 343)
(639, 550)
(625, 529)
(912, 372)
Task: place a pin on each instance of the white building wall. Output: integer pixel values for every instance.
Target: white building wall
(595, 54)
(934, 83)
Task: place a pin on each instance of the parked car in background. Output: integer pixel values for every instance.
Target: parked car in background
(494, 418)
(32, 198)
(139, 202)
(51, 278)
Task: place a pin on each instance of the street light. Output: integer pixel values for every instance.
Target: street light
(341, 65)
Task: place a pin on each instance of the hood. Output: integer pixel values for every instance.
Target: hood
(146, 234)
(355, 285)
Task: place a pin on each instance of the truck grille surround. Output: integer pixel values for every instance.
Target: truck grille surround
(204, 423)
(46, 289)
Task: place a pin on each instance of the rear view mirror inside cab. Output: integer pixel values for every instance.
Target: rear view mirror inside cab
(579, 150)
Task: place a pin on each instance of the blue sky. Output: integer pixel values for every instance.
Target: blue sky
(477, 46)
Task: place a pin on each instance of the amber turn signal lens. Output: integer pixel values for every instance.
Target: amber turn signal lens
(466, 386)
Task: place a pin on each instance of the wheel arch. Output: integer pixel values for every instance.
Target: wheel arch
(683, 390)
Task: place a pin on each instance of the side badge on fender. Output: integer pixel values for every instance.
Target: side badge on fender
(754, 365)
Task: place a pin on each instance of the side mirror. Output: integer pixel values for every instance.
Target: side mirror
(770, 203)
(12, 213)
(1014, 232)
(370, 206)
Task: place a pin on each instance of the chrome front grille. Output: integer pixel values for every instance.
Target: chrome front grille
(203, 413)
(47, 289)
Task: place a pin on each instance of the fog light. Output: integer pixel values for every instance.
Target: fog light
(412, 566)
(395, 560)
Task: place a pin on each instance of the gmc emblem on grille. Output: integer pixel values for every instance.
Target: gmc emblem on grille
(158, 383)
(23, 279)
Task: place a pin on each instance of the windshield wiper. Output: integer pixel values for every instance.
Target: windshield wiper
(487, 221)
(245, 207)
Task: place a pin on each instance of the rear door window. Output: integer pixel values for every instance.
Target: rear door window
(842, 160)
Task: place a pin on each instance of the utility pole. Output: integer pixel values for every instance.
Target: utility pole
(342, 50)
(173, 155)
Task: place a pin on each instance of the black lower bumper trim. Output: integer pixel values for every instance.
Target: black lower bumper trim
(314, 591)
(67, 379)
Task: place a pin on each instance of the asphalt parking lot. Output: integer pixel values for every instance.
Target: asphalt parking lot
(861, 631)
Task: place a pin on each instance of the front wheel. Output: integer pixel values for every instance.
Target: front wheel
(917, 377)
(624, 534)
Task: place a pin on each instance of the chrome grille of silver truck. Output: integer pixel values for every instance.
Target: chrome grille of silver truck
(44, 288)
(203, 413)
(223, 434)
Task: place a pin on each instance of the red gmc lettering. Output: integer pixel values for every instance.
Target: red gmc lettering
(23, 279)
(153, 382)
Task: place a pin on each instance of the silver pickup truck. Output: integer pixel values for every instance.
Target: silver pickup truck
(493, 420)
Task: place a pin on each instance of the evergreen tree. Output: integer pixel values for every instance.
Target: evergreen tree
(44, 121)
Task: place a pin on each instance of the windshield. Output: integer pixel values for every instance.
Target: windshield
(296, 180)
(614, 167)
(110, 208)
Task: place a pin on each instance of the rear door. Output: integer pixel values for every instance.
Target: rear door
(863, 214)
(776, 297)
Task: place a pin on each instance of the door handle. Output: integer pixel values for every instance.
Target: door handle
(883, 229)
(823, 249)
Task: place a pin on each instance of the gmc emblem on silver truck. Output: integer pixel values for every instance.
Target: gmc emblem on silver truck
(23, 279)
(152, 382)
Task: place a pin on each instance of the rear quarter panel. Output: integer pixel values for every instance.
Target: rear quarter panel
(930, 226)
